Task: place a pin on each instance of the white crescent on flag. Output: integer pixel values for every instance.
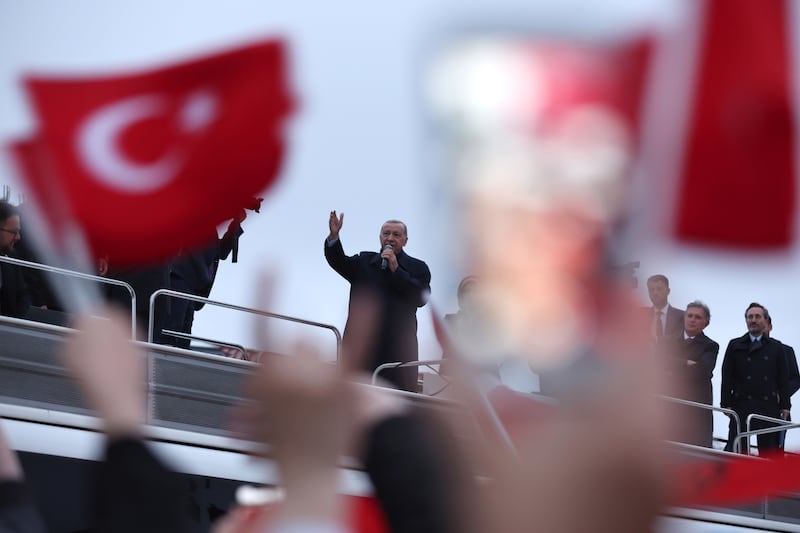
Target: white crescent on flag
(98, 147)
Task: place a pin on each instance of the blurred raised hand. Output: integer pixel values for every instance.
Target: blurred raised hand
(110, 371)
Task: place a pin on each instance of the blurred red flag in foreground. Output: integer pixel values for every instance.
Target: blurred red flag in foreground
(739, 164)
(148, 162)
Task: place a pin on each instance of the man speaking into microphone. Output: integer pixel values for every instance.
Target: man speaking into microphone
(399, 283)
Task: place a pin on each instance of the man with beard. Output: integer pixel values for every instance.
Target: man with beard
(755, 379)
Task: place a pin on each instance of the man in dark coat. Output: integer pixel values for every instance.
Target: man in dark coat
(14, 296)
(693, 357)
(144, 281)
(755, 379)
(665, 321)
(791, 366)
(194, 272)
(399, 282)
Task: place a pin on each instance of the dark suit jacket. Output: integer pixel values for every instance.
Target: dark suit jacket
(194, 271)
(791, 366)
(14, 295)
(674, 324)
(145, 281)
(400, 294)
(690, 424)
(694, 381)
(40, 288)
(755, 378)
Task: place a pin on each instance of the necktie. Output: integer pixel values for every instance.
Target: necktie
(659, 325)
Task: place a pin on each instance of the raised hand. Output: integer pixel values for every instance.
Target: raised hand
(335, 225)
(110, 370)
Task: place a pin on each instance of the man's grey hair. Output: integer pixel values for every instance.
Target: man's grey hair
(701, 305)
(393, 221)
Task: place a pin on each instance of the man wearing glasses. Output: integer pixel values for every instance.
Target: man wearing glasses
(14, 297)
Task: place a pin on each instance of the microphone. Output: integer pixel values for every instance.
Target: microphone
(384, 261)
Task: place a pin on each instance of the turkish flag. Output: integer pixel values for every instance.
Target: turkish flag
(739, 163)
(148, 162)
(30, 159)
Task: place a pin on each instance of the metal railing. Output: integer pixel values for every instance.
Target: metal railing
(80, 275)
(708, 407)
(406, 364)
(780, 425)
(182, 335)
(200, 299)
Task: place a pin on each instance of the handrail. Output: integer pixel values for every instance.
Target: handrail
(489, 412)
(182, 335)
(764, 418)
(725, 410)
(717, 520)
(200, 299)
(402, 364)
(780, 425)
(29, 324)
(81, 275)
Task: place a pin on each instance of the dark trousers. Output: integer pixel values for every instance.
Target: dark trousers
(767, 443)
(690, 424)
(180, 319)
(782, 434)
(404, 378)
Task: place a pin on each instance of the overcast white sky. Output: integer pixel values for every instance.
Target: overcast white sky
(360, 142)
